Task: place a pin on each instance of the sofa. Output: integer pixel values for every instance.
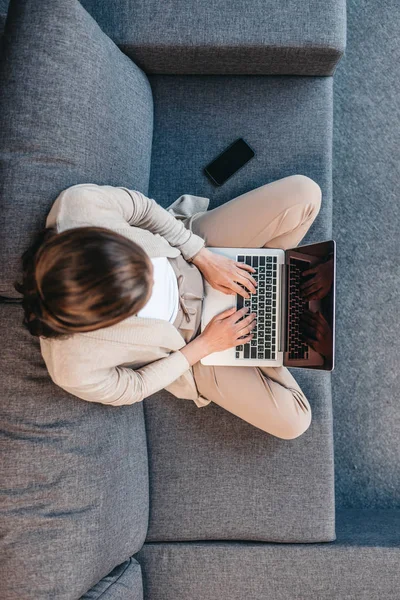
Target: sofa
(162, 500)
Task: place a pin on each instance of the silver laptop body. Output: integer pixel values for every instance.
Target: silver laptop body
(272, 344)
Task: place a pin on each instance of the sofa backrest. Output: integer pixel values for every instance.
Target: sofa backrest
(74, 475)
(73, 109)
(230, 37)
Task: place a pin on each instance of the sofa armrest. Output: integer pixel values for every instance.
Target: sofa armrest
(240, 37)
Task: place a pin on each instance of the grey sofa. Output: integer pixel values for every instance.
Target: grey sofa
(163, 500)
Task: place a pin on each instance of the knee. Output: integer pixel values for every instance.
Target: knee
(297, 426)
(309, 192)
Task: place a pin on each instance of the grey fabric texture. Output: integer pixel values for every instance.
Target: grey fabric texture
(123, 583)
(286, 120)
(74, 109)
(366, 382)
(252, 37)
(356, 566)
(213, 476)
(74, 480)
(3, 15)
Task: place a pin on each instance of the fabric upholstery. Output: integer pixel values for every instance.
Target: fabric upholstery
(73, 109)
(3, 13)
(213, 476)
(123, 583)
(359, 565)
(74, 480)
(286, 120)
(366, 225)
(253, 37)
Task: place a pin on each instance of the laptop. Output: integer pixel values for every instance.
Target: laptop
(281, 336)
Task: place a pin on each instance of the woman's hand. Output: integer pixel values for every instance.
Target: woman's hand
(225, 274)
(317, 332)
(230, 328)
(318, 286)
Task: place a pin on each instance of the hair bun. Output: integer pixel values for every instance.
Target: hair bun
(32, 302)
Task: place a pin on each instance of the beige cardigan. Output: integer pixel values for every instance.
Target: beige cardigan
(137, 357)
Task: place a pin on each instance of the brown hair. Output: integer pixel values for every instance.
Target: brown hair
(82, 279)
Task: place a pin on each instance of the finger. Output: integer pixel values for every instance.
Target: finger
(245, 267)
(245, 322)
(226, 313)
(246, 275)
(245, 339)
(224, 289)
(308, 322)
(238, 289)
(310, 284)
(310, 271)
(239, 314)
(311, 293)
(318, 295)
(321, 317)
(312, 343)
(248, 282)
(245, 328)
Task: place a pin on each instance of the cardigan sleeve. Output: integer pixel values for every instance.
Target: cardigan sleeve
(120, 208)
(119, 386)
(147, 214)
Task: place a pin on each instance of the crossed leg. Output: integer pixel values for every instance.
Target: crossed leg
(276, 215)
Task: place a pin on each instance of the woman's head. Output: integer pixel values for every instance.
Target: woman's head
(81, 280)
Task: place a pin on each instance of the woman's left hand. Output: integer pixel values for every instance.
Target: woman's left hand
(225, 274)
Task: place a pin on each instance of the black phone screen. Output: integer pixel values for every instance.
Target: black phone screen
(230, 161)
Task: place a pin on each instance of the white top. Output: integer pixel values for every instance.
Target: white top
(164, 299)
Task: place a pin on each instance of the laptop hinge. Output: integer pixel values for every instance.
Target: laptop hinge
(283, 308)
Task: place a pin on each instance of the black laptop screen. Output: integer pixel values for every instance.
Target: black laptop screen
(317, 321)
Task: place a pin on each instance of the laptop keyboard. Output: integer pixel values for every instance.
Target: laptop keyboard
(264, 342)
(297, 347)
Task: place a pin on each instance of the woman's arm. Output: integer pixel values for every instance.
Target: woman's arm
(147, 214)
(119, 208)
(121, 385)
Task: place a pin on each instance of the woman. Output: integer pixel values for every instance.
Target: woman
(114, 286)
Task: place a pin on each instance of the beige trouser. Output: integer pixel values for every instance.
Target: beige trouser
(276, 215)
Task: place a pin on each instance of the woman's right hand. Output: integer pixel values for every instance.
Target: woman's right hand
(225, 330)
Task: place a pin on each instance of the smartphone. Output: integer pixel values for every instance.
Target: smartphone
(231, 160)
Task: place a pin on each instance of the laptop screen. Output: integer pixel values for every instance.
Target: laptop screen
(317, 300)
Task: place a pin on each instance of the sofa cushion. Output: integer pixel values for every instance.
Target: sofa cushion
(74, 478)
(286, 120)
(254, 37)
(123, 583)
(73, 109)
(363, 563)
(213, 476)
